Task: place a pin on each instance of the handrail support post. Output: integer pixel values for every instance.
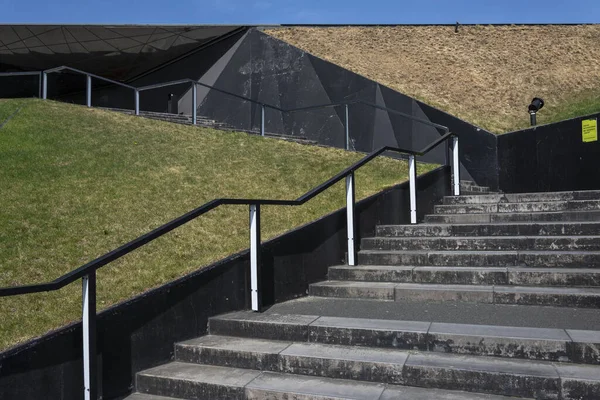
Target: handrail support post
(88, 90)
(262, 120)
(350, 201)
(90, 366)
(412, 176)
(137, 101)
(44, 85)
(347, 126)
(40, 84)
(194, 103)
(455, 166)
(255, 257)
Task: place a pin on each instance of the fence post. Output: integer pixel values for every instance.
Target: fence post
(40, 84)
(412, 176)
(455, 166)
(262, 120)
(255, 256)
(137, 101)
(347, 127)
(44, 85)
(350, 199)
(194, 103)
(90, 366)
(88, 90)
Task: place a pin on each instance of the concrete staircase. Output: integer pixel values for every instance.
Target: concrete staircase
(494, 295)
(186, 119)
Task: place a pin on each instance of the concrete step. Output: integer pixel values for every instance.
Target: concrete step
(474, 188)
(392, 366)
(142, 396)
(329, 361)
(525, 207)
(583, 277)
(487, 243)
(449, 312)
(496, 294)
(497, 229)
(523, 197)
(290, 327)
(472, 193)
(479, 218)
(415, 393)
(538, 379)
(245, 351)
(278, 386)
(463, 258)
(467, 183)
(191, 381)
(507, 377)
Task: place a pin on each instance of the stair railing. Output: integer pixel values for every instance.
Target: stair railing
(87, 272)
(43, 93)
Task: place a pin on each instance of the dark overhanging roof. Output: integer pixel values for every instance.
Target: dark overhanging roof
(120, 52)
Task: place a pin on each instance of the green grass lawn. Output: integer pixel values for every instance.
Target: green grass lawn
(585, 103)
(9, 107)
(78, 182)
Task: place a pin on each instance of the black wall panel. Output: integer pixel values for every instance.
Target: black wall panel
(140, 333)
(70, 87)
(549, 158)
(478, 148)
(271, 71)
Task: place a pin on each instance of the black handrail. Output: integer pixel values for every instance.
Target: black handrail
(64, 67)
(169, 226)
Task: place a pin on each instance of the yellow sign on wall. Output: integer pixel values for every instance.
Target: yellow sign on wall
(589, 130)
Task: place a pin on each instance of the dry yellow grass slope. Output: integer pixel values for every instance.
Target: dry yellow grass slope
(486, 75)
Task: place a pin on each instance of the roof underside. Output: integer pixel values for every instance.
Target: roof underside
(117, 52)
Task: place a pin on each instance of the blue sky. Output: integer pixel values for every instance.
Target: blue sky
(298, 11)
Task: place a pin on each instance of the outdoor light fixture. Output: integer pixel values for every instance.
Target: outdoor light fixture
(536, 105)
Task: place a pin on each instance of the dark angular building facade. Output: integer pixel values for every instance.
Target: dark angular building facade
(236, 59)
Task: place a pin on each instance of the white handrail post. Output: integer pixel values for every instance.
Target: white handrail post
(255, 256)
(350, 198)
(44, 85)
(347, 127)
(88, 90)
(455, 166)
(194, 103)
(412, 176)
(262, 120)
(137, 101)
(90, 376)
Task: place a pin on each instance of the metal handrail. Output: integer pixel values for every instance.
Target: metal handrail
(20, 73)
(164, 84)
(87, 272)
(64, 67)
(290, 110)
(194, 85)
(241, 97)
(169, 226)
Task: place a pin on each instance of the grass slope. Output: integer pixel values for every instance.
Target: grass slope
(486, 75)
(79, 182)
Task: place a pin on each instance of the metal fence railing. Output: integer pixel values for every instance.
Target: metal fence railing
(43, 93)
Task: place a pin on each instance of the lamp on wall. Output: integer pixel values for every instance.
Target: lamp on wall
(535, 106)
